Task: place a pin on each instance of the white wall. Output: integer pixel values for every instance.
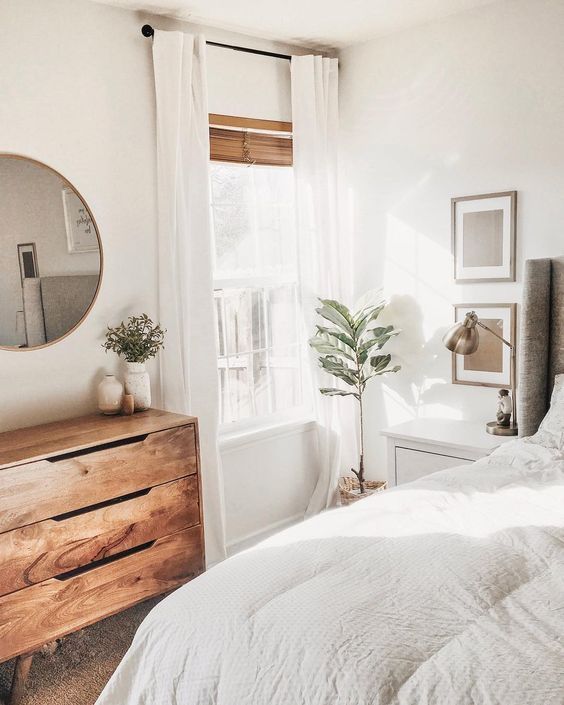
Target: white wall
(76, 86)
(77, 93)
(471, 104)
(267, 481)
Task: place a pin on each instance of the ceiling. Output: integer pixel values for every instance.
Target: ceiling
(323, 23)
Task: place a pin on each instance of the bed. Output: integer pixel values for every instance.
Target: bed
(445, 591)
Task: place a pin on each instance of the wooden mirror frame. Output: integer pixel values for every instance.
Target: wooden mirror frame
(65, 183)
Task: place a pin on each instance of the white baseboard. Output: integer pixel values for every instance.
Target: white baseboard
(255, 537)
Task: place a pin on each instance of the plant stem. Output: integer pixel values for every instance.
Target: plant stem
(360, 474)
(361, 463)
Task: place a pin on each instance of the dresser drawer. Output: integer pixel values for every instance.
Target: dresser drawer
(52, 547)
(413, 464)
(55, 607)
(35, 491)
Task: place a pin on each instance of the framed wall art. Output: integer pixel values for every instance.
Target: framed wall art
(81, 233)
(490, 365)
(27, 256)
(483, 237)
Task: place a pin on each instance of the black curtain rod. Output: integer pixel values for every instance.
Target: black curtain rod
(148, 31)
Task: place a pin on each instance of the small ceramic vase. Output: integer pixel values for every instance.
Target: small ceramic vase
(138, 384)
(128, 405)
(110, 394)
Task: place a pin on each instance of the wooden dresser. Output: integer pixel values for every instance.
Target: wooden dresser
(96, 514)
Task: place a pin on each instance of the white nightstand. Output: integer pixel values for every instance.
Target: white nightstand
(420, 447)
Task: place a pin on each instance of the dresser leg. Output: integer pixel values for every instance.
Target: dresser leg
(21, 671)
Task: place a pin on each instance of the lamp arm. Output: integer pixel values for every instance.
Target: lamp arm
(513, 372)
(509, 345)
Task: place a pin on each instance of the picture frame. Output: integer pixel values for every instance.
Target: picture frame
(81, 233)
(484, 237)
(27, 257)
(490, 365)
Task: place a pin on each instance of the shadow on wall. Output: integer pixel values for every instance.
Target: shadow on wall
(419, 388)
(413, 265)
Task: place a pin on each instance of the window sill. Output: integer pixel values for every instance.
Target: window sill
(234, 440)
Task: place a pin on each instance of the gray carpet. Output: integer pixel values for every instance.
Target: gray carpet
(76, 672)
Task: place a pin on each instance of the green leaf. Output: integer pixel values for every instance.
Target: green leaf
(332, 392)
(324, 347)
(339, 369)
(384, 332)
(379, 362)
(334, 333)
(341, 308)
(381, 337)
(365, 348)
(334, 315)
(382, 370)
(365, 317)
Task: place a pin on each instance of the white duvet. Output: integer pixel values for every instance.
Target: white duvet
(446, 591)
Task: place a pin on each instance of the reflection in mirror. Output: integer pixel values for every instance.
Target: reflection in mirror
(50, 255)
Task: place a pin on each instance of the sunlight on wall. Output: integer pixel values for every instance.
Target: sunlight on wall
(418, 284)
(419, 267)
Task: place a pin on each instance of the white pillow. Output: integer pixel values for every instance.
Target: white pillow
(551, 429)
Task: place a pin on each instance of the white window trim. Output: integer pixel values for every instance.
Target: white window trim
(275, 426)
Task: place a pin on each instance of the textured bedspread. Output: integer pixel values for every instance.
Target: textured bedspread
(446, 591)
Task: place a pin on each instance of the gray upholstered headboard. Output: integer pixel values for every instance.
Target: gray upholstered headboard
(54, 305)
(541, 347)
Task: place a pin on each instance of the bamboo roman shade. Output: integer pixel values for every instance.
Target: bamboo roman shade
(249, 141)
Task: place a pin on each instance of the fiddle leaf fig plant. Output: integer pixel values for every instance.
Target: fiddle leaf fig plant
(350, 350)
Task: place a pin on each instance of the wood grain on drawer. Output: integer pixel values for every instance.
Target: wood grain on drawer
(413, 464)
(51, 609)
(39, 442)
(36, 491)
(34, 553)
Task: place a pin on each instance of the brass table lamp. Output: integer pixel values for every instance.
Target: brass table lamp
(463, 339)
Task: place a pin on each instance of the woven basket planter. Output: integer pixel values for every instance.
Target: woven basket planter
(349, 489)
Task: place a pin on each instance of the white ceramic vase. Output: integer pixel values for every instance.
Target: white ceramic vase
(110, 395)
(138, 384)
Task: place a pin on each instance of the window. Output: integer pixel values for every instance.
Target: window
(255, 274)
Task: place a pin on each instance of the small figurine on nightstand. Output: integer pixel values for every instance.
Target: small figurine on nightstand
(504, 407)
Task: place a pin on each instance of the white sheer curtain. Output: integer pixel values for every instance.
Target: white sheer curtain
(189, 361)
(325, 259)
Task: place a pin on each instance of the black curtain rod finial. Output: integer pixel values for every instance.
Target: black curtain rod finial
(147, 30)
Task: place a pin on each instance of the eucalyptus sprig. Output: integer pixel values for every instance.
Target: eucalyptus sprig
(136, 340)
(350, 351)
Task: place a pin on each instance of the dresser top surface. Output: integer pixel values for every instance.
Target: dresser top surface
(38, 442)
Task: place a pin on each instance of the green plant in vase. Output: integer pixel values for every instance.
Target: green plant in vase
(136, 341)
(350, 350)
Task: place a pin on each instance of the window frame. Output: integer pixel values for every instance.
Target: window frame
(268, 143)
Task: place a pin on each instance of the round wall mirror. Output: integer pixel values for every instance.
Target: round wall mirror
(50, 255)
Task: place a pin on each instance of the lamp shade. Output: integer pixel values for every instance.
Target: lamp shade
(463, 338)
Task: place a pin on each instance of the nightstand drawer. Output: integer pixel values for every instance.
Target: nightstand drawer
(413, 464)
(423, 446)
